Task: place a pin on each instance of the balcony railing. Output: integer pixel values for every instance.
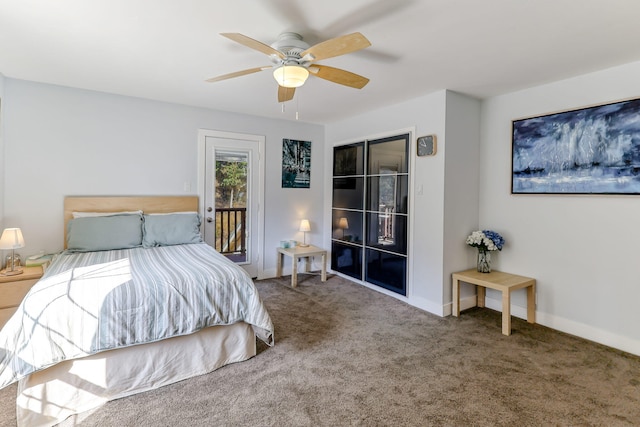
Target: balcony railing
(386, 225)
(231, 232)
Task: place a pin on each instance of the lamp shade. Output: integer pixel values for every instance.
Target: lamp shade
(304, 225)
(343, 223)
(11, 239)
(291, 75)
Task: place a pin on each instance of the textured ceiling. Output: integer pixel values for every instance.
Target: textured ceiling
(164, 50)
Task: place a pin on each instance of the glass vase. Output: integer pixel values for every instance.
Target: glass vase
(484, 261)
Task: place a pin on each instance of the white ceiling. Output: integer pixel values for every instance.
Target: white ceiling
(165, 49)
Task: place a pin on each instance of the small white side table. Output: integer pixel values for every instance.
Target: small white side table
(301, 252)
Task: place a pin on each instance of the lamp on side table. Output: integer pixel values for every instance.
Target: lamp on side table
(304, 227)
(11, 239)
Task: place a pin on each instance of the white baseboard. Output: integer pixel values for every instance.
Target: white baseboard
(429, 306)
(590, 333)
(270, 273)
(561, 324)
(465, 303)
(571, 327)
(421, 303)
(516, 310)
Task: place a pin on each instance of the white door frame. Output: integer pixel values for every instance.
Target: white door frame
(258, 252)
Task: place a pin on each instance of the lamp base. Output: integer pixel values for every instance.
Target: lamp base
(16, 271)
(304, 245)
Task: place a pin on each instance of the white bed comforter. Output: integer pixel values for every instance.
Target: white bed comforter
(96, 301)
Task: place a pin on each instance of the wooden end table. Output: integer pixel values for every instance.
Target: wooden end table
(301, 252)
(14, 288)
(500, 281)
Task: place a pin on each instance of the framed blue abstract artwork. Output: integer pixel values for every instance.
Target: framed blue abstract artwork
(594, 150)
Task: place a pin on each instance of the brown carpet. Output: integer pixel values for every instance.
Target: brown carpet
(349, 356)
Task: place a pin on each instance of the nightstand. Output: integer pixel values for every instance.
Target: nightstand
(14, 288)
(301, 252)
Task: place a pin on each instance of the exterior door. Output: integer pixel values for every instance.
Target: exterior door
(232, 194)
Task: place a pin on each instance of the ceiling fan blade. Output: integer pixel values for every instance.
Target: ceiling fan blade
(337, 46)
(237, 74)
(285, 93)
(253, 44)
(336, 75)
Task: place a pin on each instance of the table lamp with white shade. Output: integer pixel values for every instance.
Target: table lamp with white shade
(11, 239)
(304, 227)
(343, 224)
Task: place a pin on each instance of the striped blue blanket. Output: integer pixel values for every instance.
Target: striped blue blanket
(96, 301)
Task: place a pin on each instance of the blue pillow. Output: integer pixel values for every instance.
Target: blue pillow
(104, 233)
(171, 229)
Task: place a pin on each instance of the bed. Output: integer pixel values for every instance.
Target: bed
(125, 310)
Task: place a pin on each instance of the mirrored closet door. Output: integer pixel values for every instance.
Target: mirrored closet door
(370, 211)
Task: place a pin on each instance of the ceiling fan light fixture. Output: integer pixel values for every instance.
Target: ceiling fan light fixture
(291, 76)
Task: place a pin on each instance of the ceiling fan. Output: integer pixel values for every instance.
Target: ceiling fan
(293, 60)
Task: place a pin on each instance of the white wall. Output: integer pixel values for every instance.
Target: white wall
(61, 141)
(429, 275)
(2, 156)
(461, 199)
(583, 250)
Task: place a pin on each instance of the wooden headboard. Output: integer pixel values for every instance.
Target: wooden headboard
(147, 204)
